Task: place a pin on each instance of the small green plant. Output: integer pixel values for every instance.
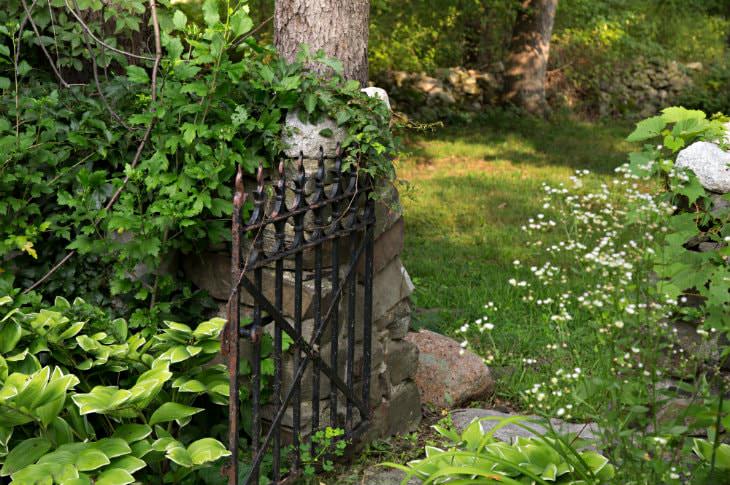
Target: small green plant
(477, 457)
(318, 453)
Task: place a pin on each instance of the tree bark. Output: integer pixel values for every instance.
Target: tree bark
(338, 27)
(526, 64)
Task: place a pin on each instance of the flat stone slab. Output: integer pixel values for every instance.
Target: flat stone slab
(462, 418)
(379, 475)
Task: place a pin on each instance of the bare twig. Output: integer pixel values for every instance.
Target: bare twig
(99, 41)
(252, 32)
(43, 48)
(140, 148)
(95, 71)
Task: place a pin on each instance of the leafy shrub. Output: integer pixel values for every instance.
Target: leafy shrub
(135, 163)
(611, 282)
(86, 402)
(477, 457)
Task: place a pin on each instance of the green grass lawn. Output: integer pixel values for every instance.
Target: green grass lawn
(470, 188)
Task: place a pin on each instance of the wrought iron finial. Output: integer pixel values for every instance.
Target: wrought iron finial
(239, 197)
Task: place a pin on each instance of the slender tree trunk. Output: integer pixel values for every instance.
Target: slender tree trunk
(524, 79)
(338, 27)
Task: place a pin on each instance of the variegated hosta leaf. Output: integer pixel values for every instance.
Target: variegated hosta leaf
(36, 397)
(122, 402)
(198, 453)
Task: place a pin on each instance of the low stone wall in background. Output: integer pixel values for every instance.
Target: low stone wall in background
(640, 88)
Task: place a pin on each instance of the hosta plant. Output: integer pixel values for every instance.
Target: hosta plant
(476, 457)
(81, 404)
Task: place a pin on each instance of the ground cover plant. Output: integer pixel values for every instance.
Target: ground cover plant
(84, 400)
(600, 275)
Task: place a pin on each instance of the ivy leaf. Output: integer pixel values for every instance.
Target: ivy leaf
(648, 128)
(310, 102)
(179, 20)
(210, 12)
(137, 75)
(692, 189)
(327, 132)
(674, 143)
(240, 23)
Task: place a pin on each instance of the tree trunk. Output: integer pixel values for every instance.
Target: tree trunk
(524, 79)
(338, 27)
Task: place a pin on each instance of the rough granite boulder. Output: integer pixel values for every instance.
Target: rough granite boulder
(447, 375)
(710, 163)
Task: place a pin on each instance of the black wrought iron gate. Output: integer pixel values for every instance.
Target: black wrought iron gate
(331, 212)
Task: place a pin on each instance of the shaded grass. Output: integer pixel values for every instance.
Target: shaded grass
(469, 190)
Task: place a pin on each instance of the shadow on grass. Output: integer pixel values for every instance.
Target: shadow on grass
(528, 141)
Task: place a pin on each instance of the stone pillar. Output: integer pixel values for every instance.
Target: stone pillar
(394, 398)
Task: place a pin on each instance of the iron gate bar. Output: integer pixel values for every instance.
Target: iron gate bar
(310, 352)
(345, 222)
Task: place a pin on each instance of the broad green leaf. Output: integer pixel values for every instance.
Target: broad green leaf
(310, 102)
(113, 447)
(179, 20)
(114, 476)
(132, 432)
(647, 129)
(240, 22)
(101, 399)
(91, 459)
(209, 329)
(210, 12)
(25, 453)
(137, 75)
(172, 411)
(10, 333)
(180, 455)
(674, 114)
(206, 450)
(129, 463)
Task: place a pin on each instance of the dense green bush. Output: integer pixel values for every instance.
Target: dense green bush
(128, 159)
(88, 401)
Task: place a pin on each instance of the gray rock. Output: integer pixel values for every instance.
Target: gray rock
(378, 475)
(306, 137)
(720, 205)
(710, 163)
(464, 417)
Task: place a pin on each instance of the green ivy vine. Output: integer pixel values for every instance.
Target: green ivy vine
(121, 127)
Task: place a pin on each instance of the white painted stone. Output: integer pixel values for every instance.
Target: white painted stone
(710, 163)
(305, 137)
(375, 92)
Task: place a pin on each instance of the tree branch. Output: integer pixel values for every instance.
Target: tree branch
(43, 48)
(138, 154)
(99, 41)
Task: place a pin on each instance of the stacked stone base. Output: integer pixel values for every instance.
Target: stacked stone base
(394, 399)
